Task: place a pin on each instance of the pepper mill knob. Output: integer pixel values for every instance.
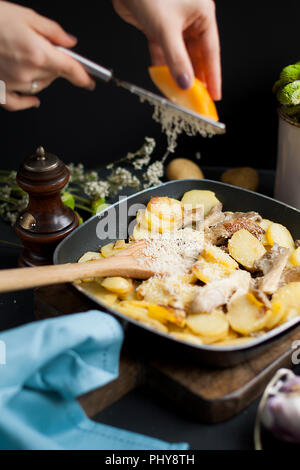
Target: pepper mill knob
(46, 220)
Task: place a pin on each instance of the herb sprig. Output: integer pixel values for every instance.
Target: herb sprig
(88, 192)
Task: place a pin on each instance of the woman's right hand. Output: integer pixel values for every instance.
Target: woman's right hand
(28, 56)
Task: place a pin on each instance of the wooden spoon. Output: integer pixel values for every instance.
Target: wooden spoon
(125, 264)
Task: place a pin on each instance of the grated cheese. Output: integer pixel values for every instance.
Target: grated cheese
(173, 253)
(173, 122)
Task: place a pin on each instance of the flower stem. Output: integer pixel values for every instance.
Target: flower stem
(15, 245)
(9, 200)
(84, 208)
(79, 198)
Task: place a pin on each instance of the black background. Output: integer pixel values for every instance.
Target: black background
(258, 38)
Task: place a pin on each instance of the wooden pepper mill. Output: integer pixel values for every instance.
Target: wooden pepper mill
(46, 220)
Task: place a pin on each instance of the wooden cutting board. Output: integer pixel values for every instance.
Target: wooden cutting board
(207, 394)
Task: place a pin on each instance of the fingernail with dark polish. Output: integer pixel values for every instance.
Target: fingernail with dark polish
(184, 81)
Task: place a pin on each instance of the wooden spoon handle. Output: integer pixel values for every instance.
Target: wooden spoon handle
(29, 278)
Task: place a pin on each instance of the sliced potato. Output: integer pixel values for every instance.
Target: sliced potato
(245, 248)
(97, 291)
(295, 258)
(188, 278)
(285, 304)
(108, 250)
(207, 272)
(141, 315)
(118, 285)
(130, 296)
(234, 341)
(187, 337)
(165, 314)
(156, 325)
(120, 245)
(140, 233)
(200, 198)
(149, 221)
(172, 294)
(165, 208)
(265, 224)
(246, 315)
(90, 256)
(213, 324)
(132, 310)
(279, 234)
(215, 254)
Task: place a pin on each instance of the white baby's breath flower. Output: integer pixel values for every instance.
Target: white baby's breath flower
(76, 173)
(154, 174)
(5, 192)
(121, 178)
(141, 162)
(97, 189)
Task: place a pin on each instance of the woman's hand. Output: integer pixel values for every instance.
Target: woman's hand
(182, 34)
(29, 62)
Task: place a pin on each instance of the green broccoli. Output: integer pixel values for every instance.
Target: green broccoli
(288, 75)
(290, 94)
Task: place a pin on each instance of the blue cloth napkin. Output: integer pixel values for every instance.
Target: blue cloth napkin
(48, 365)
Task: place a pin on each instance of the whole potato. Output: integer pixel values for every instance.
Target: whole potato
(182, 168)
(244, 177)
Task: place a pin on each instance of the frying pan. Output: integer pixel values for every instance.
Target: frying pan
(144, 339)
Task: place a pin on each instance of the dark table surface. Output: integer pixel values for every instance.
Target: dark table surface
(139, 411)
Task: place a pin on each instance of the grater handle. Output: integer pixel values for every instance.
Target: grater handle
(91, 67)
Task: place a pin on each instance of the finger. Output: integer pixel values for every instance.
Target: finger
(15, 102)
(209, 45)
(27, 88)
(196, 58)
(175, 51)
(156, 54)
(64, 66)
(52, 31)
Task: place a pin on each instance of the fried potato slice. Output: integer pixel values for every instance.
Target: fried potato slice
(118, 285)
(149, 221)
(187, 337)
(113, 248)
(234, 341)
(90, 256)
(169, 294)
(108, 250)
(246, 315)
(200, 198)
(245, 248)
(167, 315)
(213, 324)
(207, 271)
(165, 208)
(140, 313)
(87, 257)
(120, 245)
(265, 224)
(216, 255)
(277, 233)
(140, 233)
(285, 304)
(100, 293)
